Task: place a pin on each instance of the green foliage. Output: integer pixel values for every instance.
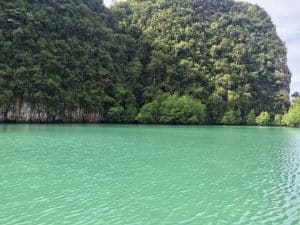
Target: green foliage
(173, 109)
(278, 120)
(231, 118)
(224, 53)
(263, 119)
(115, 113)
(222, 57)
(149, 113)
(182, 110)
(292, 118)
(251, 118)
(64, 56)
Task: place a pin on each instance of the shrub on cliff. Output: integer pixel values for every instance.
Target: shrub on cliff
(174, 109)
(292, 118)
(263, 119)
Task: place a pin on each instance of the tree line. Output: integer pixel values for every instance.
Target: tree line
(151, 61)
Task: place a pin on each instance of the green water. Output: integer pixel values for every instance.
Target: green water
(92, 174)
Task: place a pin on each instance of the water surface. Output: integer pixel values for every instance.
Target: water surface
(109, 174)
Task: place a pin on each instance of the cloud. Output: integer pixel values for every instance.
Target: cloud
(107, 2)
(294, 64)
(295, 86)
(293, 56)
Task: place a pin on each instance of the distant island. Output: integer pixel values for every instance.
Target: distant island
(158, 62)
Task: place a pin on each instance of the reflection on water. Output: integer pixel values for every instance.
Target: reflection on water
(91, 174)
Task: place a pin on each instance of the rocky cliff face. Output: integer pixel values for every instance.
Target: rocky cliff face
(24, 112)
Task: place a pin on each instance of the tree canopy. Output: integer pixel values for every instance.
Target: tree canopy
(226, 54)
(173, 109)
(292, 118)
(150, 61)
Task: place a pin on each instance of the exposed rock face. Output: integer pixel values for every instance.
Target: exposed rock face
(24, 112)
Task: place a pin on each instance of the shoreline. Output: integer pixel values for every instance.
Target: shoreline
(138, 124)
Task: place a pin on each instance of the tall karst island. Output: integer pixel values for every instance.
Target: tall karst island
(146, 61)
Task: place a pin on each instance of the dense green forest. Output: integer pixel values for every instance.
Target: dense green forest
(146, 61)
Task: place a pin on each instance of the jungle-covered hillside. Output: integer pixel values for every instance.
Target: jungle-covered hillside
(147, 61)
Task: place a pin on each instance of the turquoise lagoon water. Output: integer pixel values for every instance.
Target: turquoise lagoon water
(121, 174)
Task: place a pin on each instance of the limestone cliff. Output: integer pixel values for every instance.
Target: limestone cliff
(25, 112)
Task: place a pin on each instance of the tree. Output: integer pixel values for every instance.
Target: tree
(216, 105)
(263, 119)
(207, 60)
(115, 114)
(231, 118)
(182, 110)
(251, 118)
(296, 94)
(149, 113)
(173, 109)
(277, 120)
(292, 118)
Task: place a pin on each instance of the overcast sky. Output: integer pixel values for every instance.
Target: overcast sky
(286, 16)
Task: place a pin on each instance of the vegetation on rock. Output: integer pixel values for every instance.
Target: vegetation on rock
(251, 118)
(149, 61)
(278, 120)
(263, 119)
(292, 118)
(173, 109)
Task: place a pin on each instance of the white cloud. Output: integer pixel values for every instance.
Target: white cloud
(108, 2)
(293, 56)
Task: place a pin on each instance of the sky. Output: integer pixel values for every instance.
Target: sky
(285, 15)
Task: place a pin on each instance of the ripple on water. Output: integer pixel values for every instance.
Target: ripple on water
(149, 175)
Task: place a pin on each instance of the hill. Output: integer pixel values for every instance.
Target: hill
(151, 61)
